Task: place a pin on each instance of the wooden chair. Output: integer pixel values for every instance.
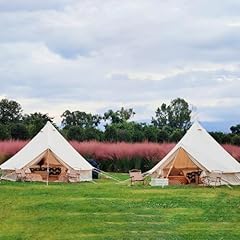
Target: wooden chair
(23, 175)
(19, 175)
(73, 175)
(136, 176)
(213, 179)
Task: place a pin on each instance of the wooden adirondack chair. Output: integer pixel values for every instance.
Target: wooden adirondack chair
(136, 176)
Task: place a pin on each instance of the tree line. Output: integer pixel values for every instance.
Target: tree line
(168, 125)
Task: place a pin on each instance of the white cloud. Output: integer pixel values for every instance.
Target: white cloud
(94, 55)
(174, 72)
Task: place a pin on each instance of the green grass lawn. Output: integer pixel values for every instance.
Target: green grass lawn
(107, 210)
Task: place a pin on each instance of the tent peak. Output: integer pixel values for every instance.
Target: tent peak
(48, 127)
(196, 126)
(49, 124)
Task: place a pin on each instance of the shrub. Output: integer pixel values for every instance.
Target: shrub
(236, 140)
(4, 132)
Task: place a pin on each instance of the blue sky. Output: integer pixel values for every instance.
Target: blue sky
(93, 55)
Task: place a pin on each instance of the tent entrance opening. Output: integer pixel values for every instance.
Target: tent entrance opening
(181, 169)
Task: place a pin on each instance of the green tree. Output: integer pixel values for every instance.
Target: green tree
(126, 131)
(75, 133)
(10, 111)
(110, 133)
(151, 133)
(80, 119)
(162, 114)
(218, 136)
(124, 135)
(177, 115)
(236, 140)
(235, 129)
(163, 136)
(176, 135)
(226, 138)
(138, 133)
(119, 132)
(35, 122)
(93, 134)
(126, 114)
(19, 131)
(119, 116)
(4, 132)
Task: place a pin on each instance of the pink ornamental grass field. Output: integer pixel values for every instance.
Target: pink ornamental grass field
(107, 153)
(10, 147)
(233, 150)
(120, 150)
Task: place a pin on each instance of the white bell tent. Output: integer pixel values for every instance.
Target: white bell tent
(48, 157)
(197, 152)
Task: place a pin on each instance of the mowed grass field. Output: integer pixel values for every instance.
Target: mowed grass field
(107, 210)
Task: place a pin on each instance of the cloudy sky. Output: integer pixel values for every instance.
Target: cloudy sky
(93, 55)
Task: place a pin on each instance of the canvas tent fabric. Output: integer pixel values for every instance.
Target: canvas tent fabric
(49, 142)
(198, 150)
